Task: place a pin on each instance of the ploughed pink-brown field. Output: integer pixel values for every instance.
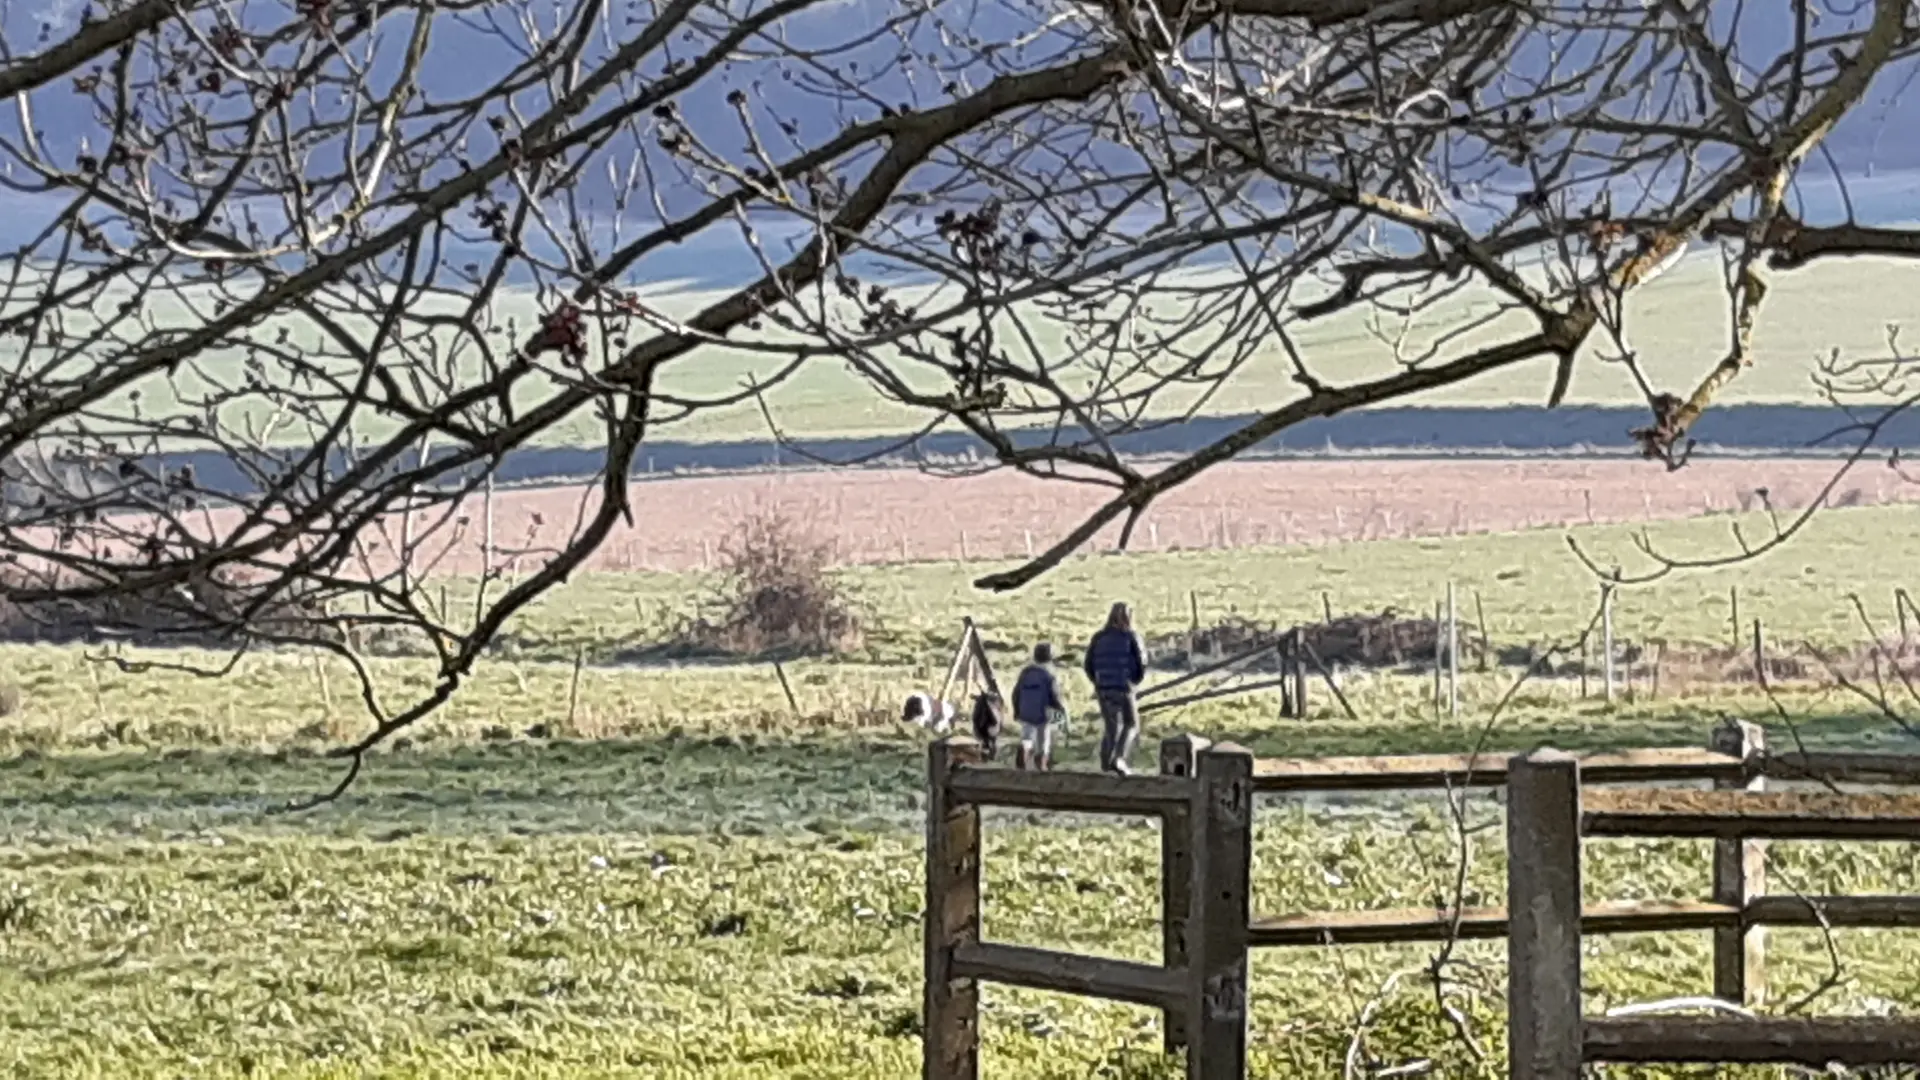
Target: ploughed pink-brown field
(876, 516)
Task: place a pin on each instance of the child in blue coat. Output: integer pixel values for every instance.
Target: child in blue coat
(1037, 704)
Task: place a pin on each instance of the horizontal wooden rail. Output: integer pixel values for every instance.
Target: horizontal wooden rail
(1430, 924)
(1415, 771)
(1066, 973)
(1876, 912)
(1780, 815)
(1843, 766)
(1812, 1042)
(1401, 925)
(1084, 792)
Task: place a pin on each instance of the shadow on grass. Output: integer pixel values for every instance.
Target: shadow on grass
(664, 785)
(741, 785)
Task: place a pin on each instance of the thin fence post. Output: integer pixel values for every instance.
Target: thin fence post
(1179, 756)
(951, 1039)
(1486, 644)
(1586, 647)
(406, 541)
(1453, 655)
(486, 536)
(1284, 651)
(1900, 609)
(1438, 637)
(1606, 642)
(1221, 816)
(1296, 667)
(1543, 905)
(1740, 875)
(1759, 654)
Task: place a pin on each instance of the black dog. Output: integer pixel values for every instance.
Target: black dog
(986, 723)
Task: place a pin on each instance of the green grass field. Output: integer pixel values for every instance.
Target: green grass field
(1845, 305)
(682, 879)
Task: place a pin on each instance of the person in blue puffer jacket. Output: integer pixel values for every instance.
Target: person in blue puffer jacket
(1037, 704)
(1116, 663)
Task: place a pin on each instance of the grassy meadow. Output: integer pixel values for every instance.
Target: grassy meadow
(1845, 305)
(661, 871)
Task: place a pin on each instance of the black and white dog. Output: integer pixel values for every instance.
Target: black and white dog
(922, 709)
(938, 717)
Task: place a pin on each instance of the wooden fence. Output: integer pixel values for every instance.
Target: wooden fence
(1204, 799)
(1550, 1038)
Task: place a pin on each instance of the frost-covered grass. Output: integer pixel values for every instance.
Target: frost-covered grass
(415, 938)
(673, 876)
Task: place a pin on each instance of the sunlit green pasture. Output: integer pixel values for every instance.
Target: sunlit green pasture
(659, 871)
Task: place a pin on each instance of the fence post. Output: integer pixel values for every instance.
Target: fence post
(1486, 644)
(951, 1040)
(1453, 655)
(1606, 642)
(1439, 638)
(1221, 817)
(1179, 756)
(1296, 667)
(1543, 911)
(1739, 875)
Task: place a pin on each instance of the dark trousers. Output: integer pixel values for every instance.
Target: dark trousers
(1120, 721)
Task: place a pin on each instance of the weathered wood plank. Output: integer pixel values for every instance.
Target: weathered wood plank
(1780, 815)
(1476, 923)
(951, 1042)
(1066, 973)
(1417, 771)
(1844, 766)
(1081, 792)
(1543, 897)
(1179, 757)
(1813, 1042)
(1739, 875)
(1886, 912)
(1221, 816)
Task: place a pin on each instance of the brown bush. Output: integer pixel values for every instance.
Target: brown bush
(778, 594)
(1387, 639)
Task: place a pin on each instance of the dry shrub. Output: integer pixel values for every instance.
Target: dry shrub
(1387, 639)
(211, 610)
(1679, 667)
(778, 594)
